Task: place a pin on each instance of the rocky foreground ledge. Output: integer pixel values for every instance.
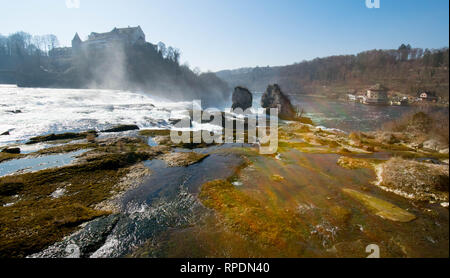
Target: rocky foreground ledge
(325, 193)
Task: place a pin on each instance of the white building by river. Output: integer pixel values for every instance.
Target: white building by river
(376, 95)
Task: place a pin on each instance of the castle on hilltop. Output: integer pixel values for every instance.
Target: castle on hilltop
(127, 36)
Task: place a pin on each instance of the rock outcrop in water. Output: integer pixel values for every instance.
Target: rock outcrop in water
(242, 98)
(275, 98)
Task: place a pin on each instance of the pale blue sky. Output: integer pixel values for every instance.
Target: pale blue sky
(226, 34)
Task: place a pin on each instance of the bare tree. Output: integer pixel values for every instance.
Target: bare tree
(53, 40)
(37, 41)
(162, 49)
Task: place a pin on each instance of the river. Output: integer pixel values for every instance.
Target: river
(28, 112)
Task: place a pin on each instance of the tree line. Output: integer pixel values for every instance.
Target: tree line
(22, 43)
(405, 69)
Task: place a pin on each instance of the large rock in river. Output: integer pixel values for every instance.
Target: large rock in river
(242, 98)
(275, 98)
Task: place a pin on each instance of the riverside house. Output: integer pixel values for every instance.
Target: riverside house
(428, 96)
(376, 95)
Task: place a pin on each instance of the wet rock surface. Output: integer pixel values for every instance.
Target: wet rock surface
(83, 243)
(313, 198)
(62, 136)
(380, 207)
(121, 128)
(14, 111)
(183, 159)
(120, 234)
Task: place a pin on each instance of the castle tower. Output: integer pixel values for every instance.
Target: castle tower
(76, 42)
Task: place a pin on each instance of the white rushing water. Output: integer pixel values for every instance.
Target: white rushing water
(28, 112)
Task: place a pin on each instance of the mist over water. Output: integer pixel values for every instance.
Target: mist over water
(28, 112)
(143, 68)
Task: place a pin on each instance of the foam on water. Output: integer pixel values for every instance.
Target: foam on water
(42, 111)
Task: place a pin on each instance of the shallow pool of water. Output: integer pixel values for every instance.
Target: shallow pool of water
(31, 164)
(151, 142)
(166, 181)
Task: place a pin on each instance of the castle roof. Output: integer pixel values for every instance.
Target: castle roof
(115, 32)
(127, 30)
(76, 38)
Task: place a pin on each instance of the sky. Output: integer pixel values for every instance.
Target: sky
(227, 34)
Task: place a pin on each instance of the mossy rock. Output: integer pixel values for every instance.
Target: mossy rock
(62, 136)
(36, 219)
(10, 189)
(121, 128)
(154, 132)
(8, 156)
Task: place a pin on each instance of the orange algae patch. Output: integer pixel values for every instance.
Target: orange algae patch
(354, 163)
(252, 219)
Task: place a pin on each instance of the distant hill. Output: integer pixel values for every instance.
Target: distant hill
(404, 70)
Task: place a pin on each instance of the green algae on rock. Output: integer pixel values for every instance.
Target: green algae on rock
(36, 219)
(154, 132)
(254, 220)
(380, 207)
